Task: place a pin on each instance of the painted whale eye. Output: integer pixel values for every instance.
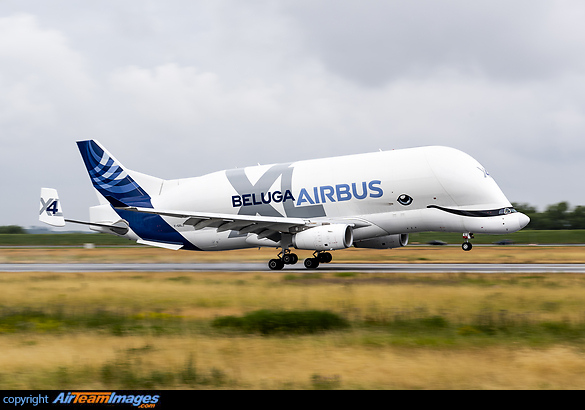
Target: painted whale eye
(405, 199)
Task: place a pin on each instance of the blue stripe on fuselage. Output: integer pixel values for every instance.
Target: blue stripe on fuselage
(154, 228)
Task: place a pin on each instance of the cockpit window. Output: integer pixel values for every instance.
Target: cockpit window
(506, 211)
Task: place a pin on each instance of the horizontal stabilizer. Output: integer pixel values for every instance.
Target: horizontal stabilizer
(51, 213)
(165, 245)
(119, 228)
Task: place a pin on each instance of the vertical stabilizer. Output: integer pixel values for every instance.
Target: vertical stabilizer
(123, 188)
(111, 179)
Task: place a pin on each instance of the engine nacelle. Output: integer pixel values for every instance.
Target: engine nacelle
(324, 238)
(384, 242)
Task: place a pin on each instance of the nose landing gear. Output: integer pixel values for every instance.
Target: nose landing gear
(467, 246)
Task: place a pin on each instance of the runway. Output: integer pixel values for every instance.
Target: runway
(261, 267)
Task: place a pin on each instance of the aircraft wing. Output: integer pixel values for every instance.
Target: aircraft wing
(263, 226)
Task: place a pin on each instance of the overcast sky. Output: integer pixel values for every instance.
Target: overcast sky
(181, 88)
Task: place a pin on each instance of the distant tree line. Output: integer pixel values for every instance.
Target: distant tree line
(557, 216)
(12, 229)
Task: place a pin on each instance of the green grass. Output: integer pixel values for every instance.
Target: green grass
(406, 327)
(130, 330)
(523, 237)
(128, 371)
(65, 239)
(576, 236)
(268, 322)
(119, 323)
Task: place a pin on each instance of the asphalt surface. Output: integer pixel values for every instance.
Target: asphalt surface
(254, 267)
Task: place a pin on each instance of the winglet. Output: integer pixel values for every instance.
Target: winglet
(50, 211)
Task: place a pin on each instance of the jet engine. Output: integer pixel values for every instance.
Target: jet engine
(324, 238)
(384, 242)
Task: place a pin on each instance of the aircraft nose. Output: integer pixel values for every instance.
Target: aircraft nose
(523, 220)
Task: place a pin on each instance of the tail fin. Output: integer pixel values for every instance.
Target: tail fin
(51, 212)
(111, 179)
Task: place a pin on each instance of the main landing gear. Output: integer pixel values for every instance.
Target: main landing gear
(467, 246)
(287, 258)
(284, 258)
(318, 258)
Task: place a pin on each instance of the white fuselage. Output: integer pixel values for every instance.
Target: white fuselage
(381, 193)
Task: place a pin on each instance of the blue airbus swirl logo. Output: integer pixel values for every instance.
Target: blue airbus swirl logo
(109, 178)
(107, 175)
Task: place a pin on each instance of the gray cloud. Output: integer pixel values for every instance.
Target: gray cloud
(179, 88)
(376, 41)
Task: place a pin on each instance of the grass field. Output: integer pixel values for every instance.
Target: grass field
(408, 254)
(135, 330)
(522, 237)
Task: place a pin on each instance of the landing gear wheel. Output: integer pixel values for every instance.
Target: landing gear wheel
(311, 263)
(290, 258)
(275, 264)
(325, 257)
(467, 246)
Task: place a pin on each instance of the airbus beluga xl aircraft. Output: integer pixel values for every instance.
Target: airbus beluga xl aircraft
(368, 201)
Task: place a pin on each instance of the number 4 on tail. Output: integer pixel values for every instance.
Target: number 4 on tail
(50, 211)
(51, 207)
